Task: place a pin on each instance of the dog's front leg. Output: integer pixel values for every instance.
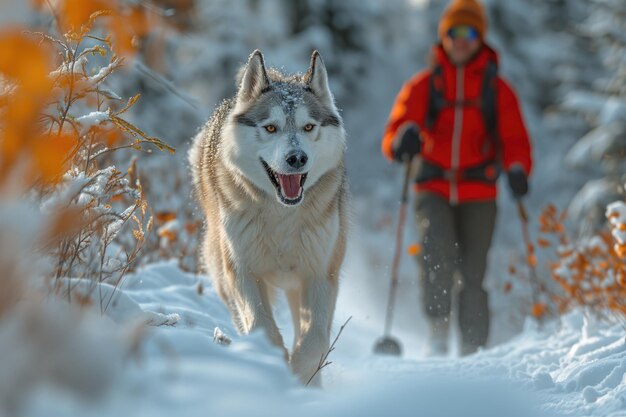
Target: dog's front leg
(255, 310)
(316, 314)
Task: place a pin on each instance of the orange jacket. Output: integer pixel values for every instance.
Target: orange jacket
(458, 139)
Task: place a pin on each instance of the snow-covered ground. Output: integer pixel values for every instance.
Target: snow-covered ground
(574, 367)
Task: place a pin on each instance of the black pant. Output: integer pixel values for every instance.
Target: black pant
(456, 238)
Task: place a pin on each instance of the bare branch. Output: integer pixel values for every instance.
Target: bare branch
(324, 362)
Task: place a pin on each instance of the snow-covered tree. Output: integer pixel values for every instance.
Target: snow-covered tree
(602, 150)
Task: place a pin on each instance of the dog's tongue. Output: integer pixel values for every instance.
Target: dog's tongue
(290, 185)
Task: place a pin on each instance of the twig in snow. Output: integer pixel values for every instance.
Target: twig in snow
(324, 362)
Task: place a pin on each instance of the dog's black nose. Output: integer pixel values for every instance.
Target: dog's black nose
(297, 159)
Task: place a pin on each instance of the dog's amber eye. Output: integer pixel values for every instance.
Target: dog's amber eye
(270, 128)
(309, 127)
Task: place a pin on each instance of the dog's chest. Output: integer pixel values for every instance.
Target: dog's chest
(282, 246)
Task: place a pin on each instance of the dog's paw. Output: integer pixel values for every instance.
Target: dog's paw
(306, 369)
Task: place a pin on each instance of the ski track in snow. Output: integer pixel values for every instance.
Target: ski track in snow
(559, 370)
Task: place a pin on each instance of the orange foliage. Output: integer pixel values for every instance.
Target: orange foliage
(25, 61)
(589, 272)
(192, 227)
(74, 14)
(414, 249)
(128, 28)
(168, 234)
(164, 216)
(539, 310)
(50, 155)
(37, 133)
(127, 24)
(24, 87)
(543, 243)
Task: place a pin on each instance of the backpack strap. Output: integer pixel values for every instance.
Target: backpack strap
(436, 99)
(489, 104)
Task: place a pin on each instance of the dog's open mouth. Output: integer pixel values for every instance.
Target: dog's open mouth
(289, 187)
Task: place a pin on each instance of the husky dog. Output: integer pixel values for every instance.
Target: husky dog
(268, 171)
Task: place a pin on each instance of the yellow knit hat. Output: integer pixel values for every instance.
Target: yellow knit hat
(463, 12)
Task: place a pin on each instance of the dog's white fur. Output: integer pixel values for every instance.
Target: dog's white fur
(253, 242)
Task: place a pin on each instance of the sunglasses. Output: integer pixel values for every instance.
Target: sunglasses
(463, 32)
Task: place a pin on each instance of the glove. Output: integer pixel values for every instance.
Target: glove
(407, 143)
(518, 181)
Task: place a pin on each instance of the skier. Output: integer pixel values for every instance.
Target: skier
(465, 122)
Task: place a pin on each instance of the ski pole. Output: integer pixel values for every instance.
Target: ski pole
(398, 250)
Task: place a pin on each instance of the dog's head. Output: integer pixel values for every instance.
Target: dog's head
(284, 132)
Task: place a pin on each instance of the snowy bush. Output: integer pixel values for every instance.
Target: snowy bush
(586, 271)
(65, 210)
(590, 270)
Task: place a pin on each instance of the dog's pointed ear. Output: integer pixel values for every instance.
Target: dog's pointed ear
(316, 79)
(252, 79)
